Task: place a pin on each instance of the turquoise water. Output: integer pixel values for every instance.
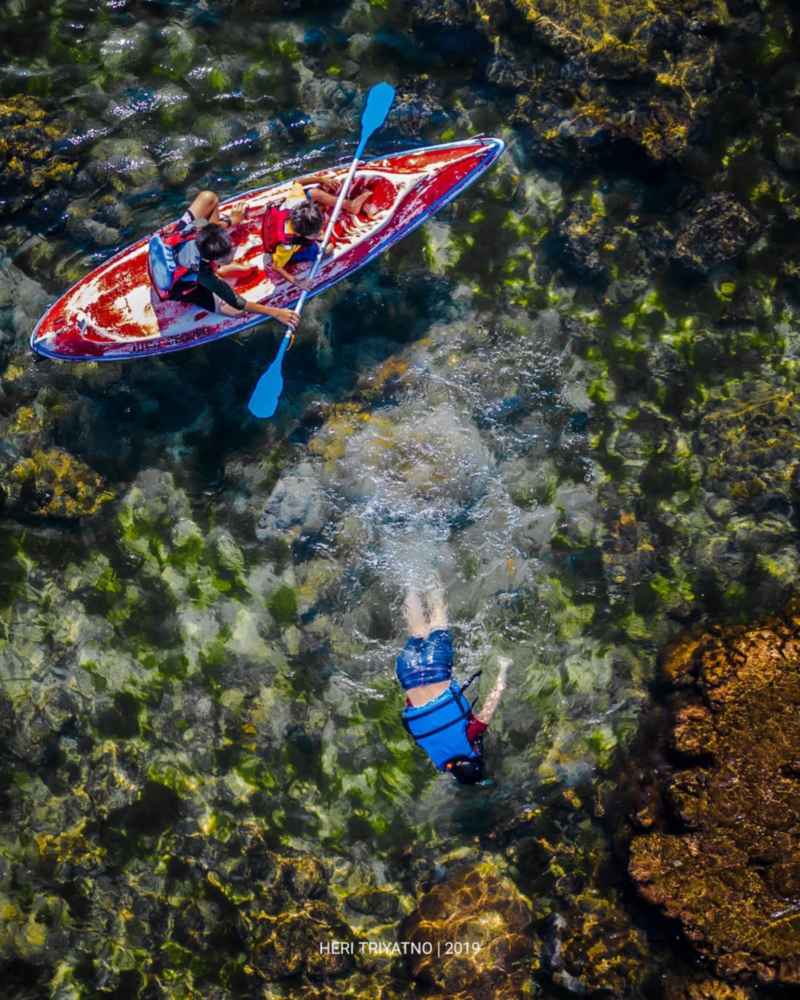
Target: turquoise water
(199, 611)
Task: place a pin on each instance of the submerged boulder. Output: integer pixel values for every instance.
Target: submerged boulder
(31, 161)
(53, 483)
(731, 872)
(703, 989)
(482, 912)
(597, 948)
(719, 230)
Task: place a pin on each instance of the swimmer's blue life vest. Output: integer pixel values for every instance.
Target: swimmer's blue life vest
(163, 261)
(440, 726)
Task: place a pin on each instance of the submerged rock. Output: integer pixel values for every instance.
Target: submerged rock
(732, 877)
(124, 163)
(53, 483)
(597, 949)
(677, 988)
(719, 230)
(29, 160)
(483, 910)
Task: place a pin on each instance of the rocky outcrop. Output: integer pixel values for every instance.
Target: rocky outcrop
(630, 73)
(723, 854)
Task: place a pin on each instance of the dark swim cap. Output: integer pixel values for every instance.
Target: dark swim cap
(466, 770)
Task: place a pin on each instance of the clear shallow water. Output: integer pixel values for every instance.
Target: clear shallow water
(451, 409)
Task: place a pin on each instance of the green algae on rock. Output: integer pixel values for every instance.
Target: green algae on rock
(732, 877)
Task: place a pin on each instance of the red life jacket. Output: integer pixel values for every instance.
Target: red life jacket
(273, 229)
(162, 259)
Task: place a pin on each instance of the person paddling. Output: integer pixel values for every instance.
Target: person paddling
(187, 261)
(437, 714)
(292, 230)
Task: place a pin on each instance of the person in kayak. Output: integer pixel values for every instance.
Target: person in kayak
(188, 259)
(292, 230)
(437, 715)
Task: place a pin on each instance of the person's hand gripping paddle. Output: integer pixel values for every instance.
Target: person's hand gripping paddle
(266, 394)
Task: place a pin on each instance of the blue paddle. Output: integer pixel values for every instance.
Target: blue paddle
(266, 394)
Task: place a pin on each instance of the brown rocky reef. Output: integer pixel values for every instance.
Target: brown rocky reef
(478, 925)
(719, 843)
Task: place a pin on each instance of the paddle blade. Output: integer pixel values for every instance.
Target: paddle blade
(379, 100)
(269, 387)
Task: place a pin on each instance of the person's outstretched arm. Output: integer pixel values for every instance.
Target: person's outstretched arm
(490, 707)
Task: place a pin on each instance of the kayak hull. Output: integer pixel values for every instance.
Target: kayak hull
(113, 314)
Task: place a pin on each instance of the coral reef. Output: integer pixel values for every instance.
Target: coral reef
(730, 875)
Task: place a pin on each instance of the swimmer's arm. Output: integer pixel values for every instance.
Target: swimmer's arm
(490, 707)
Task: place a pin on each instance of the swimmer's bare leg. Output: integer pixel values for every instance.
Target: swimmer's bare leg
(437, 608)
(415, 616)
(206, 206)
(351, 205)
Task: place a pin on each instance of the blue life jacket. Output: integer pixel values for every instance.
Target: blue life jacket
(164, 260)
(440, 726)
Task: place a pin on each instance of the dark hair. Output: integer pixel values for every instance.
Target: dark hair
(213, 242)
(466, 770)
(307, 219)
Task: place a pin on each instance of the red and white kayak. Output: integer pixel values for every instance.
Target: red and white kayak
(113, 313)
